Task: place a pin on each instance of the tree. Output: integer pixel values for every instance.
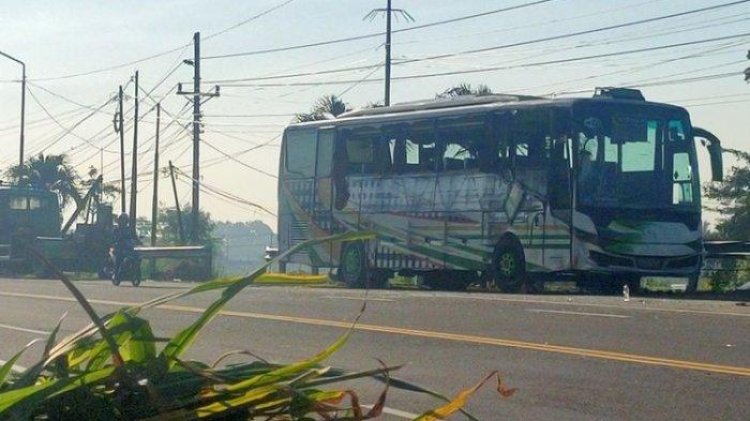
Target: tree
(108, 190)
(324, 108)
(168, 228)
(465, 89)
(734, 196)
(48, 172)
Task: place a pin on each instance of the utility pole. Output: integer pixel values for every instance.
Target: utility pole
(119, 127)
(177, 204)
(388, 11)
(388, 55)
(134, 173)
(196, 135)
(155, 199)
(196, 94)
(23, 103)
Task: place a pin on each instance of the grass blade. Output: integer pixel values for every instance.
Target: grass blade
(8, 366)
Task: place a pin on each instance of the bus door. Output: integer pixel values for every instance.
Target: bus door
(297, 192)
(324, 190)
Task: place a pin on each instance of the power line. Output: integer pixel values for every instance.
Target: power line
(226, 194)
(504, 67)
(164, 53)
(66, 129)
(258, 170)
(579, 33)
(374, 34)
(482, 50)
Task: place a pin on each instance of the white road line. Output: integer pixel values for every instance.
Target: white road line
(341, 297)
(23, 329)
(395, 412)
(577, 313)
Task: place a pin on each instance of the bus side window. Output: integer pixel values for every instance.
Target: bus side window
(300, 147)
(531, 138)
(461, 139)
(324, 164)
(359, 154)
(499, 139)
(421, 147)
(18, 203)
(35, 203)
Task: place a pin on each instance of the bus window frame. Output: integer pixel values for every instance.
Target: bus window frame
(291, 174)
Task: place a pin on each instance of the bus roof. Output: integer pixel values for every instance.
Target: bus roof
(11, 188)
(470, 104)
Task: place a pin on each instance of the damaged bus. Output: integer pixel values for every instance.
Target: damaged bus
(501, 189)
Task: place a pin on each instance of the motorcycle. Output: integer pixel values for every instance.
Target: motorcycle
(130, 268)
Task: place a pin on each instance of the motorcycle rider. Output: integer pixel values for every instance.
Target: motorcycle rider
(124, 243)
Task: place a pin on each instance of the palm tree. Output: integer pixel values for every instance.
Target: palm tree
(48, 172)
(325, 108)
(465, 89)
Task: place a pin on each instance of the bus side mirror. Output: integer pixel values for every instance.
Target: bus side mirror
(714, 151)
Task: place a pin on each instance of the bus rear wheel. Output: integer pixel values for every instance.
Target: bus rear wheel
(353, 265)
(509, 267)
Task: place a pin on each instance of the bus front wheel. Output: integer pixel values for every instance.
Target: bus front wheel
(509, 266)
(353, 265)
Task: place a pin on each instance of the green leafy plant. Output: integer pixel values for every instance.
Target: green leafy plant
(113, 369)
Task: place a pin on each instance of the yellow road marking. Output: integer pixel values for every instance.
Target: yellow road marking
(483, 340)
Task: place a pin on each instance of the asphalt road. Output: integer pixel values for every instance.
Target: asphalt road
(571, 357)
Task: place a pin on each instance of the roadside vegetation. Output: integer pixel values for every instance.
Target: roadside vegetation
(115, 369)
(733, 198)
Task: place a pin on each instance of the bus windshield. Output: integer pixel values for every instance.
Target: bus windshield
(635, 157)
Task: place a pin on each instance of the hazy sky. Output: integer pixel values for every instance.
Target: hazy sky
(66, 44)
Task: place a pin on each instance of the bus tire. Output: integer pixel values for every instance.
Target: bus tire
(353, 265)
(509, 265)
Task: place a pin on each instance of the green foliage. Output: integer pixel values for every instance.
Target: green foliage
(48, 172)
(728, 275)
(465, 89)
(733, 195)
(169, 226)
(326, 106)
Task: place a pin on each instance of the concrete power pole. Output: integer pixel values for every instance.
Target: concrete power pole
(196, 94)
(388, 11)
(119, 127)
(194, 217)
(134, 173)
(155, 199)
(388, 54)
